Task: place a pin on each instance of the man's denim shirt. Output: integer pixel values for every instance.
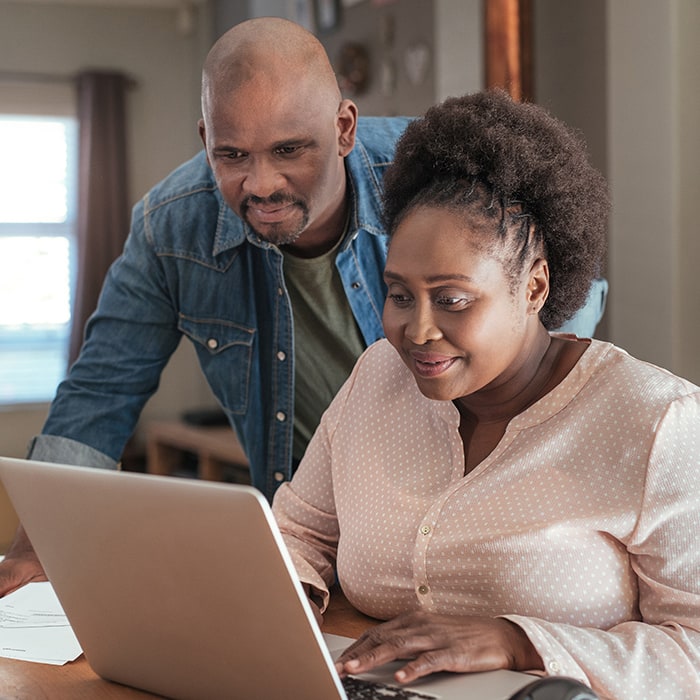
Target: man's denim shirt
(191, 267)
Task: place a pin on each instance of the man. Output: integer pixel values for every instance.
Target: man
(266, 251)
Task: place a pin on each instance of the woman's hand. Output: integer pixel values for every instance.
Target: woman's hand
(441, 643)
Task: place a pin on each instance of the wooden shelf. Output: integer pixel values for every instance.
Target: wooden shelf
(217, 452)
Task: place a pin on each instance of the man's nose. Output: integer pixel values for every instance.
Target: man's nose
(262, 179)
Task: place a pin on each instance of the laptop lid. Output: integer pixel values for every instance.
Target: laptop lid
(175, 586)
(184, 588)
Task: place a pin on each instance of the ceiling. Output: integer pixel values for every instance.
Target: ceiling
(115, 3)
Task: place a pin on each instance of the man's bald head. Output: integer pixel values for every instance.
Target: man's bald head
(269, 49)
(276, 132)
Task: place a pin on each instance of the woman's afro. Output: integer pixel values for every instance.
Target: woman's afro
(522, 155)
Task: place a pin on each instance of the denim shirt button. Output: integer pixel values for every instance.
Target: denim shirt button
(278, 476)
(355, 285)
(212, 343)
(281, 356)
(280, 291)
(281, 416)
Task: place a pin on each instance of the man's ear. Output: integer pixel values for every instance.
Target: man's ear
(203, 136)
(346, 120)
(538, 285)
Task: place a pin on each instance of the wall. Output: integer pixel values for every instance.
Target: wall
(570, 76)
(163, 112)
(570, 63)
(459, 47)
(625, 73)
(686, 353)
(393, 34)
(654, 149)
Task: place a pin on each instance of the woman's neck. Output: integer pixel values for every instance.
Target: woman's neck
(547, 363)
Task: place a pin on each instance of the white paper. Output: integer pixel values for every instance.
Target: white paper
(33, 627)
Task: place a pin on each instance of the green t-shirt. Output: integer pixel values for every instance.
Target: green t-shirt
(327, 340)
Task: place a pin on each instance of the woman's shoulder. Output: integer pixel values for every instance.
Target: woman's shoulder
(642, 380)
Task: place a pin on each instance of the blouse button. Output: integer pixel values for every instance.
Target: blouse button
(212, 343)
(554, 666)
(423, 589)
(425, 530)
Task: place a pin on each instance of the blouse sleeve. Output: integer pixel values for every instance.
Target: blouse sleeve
(658, 656)
(305, 508)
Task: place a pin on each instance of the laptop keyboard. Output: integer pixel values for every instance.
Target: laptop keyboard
(361, 689)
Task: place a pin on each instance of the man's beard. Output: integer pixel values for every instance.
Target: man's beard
(277, 233)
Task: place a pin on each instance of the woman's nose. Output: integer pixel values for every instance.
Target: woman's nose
(421, 327)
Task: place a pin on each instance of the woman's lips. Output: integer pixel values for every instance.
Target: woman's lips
(431, 364)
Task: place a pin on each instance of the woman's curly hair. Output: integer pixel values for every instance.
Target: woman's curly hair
(523, 169)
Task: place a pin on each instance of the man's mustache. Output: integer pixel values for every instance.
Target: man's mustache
(274, 198)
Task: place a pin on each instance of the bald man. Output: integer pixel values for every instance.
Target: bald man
(266, 251)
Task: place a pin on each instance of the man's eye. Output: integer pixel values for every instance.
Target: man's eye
(287, 150)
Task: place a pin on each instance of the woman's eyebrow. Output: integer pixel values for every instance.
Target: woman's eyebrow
(390, 274)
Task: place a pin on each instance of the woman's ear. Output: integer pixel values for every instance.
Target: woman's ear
(538, 285)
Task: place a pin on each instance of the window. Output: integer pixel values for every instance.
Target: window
(38, 175)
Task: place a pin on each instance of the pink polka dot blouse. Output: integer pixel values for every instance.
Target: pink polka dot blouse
(582, 526)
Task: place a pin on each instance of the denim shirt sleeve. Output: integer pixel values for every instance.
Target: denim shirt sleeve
(129, 339)
(585, 320)
(59, 450)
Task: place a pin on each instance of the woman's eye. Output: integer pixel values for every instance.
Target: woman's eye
(399, 299)
(450, 302)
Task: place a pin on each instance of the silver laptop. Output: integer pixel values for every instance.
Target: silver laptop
(184, 588)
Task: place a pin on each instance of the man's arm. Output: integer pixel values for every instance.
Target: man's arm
(21, 564)
(585, 320)
(128, 342)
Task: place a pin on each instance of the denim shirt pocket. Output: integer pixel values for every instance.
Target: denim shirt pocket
(225, 351)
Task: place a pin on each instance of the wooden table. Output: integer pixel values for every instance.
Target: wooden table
(24, 680)
(216, 449)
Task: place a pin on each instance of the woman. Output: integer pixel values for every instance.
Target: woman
(505, 497)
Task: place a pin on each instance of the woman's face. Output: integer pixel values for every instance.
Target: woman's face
(451, 312)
